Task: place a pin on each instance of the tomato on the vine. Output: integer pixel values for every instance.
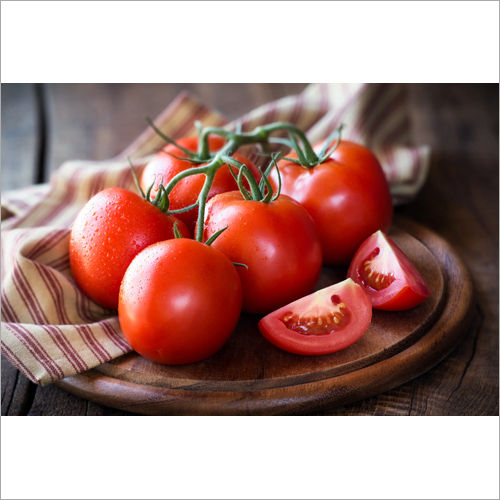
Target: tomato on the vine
(389, 278)
(326, 321)
(347, 195)
(180, 300)
(276, 240)
(164, 166)
(108, 232)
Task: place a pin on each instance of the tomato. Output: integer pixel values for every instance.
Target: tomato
(347, 196)
(276, 240)
(179, 301)
(163, 167)
(108, 232)
(326, 321)
(391, 281)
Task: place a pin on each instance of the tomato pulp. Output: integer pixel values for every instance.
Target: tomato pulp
(108, 232)
(180, 300)
(277, 241)
(164, 166)
(389, 278)
(347, 196)
(326, 321)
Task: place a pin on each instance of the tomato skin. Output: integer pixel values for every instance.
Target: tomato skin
(277, 241)
(108, 232)
(275, 331)
(180, 300)
(347, 196)
(407, 290)
(164, 167)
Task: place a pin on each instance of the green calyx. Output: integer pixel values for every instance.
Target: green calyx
(161, 200)
(304, 157)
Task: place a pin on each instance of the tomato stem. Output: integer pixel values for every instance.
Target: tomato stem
(261, 191)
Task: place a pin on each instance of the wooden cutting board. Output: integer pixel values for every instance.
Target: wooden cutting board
(251, 376)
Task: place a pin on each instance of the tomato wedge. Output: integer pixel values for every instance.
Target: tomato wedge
(321, 323)
(388, 277)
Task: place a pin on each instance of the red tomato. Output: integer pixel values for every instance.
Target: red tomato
(179, 301)
(277, 241)
(388, 277)
(347, 196)
(163, 167)
(108, 232)
(325, 321)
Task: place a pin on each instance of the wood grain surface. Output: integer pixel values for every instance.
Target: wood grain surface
(459, 202)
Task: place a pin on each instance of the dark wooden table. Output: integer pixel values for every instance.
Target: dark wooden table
(44, 125)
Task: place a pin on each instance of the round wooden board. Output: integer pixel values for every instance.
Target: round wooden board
(250, 376)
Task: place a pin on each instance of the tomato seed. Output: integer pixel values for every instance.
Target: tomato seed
(370, 277)
(318, 325)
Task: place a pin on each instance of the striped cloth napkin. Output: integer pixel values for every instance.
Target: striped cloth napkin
(50, 329)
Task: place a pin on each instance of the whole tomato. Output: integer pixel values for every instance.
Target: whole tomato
(108, 232)
(164, 166)
(347, 196)
(180, 300)
(276, 240)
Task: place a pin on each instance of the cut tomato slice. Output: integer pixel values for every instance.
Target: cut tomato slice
(388, 277)
(325, 321)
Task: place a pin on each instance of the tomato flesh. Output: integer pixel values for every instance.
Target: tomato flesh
(372, 278)
(314, 322)
(326, 321)
(389, 278)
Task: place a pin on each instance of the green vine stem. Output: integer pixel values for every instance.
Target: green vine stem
(260, 135)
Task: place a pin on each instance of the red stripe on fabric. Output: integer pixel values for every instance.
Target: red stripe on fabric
(199, 111)
(96, 183)
(47, 243)
(270, 113)
(396, 102)
(60, 264)
(124, 179)
(55, 292)
(371, 111)
(366, 112)
(335, 119)
(93, 344)
(36, 349)
(296, 110)
(27, 298)
(16, 202)
(11, 314)
(9, 354)
(82, 301)
(60, 340)
(116, 338)
(31, 293)
(2, 258)
(323, 108)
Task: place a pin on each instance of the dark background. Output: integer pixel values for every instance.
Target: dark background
(46, 124)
